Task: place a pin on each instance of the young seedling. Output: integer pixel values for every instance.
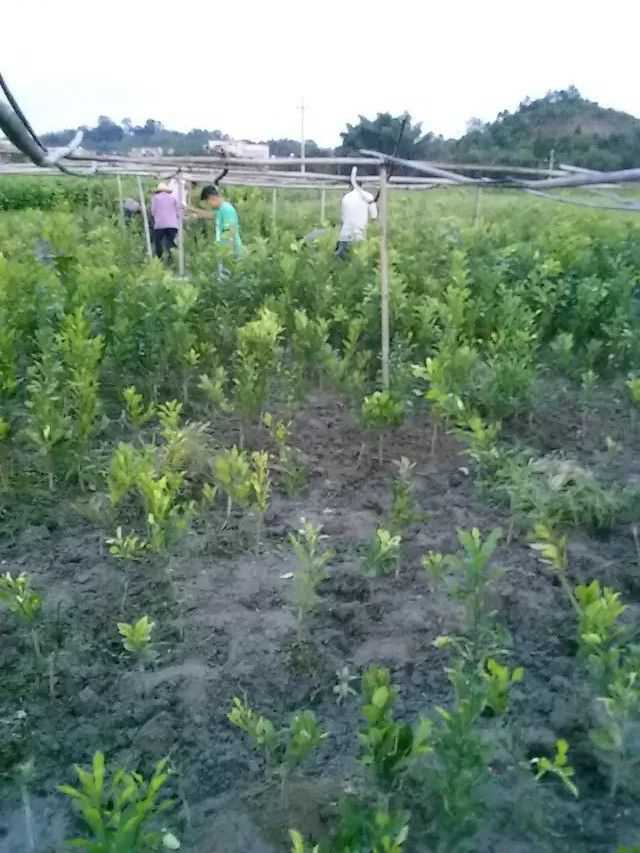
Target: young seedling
(381, 412)
(616, 738)
(284, 749)
(128, 549)
(600, 634)
(49, 425)
(232, 473)
(299, 844)
(126, 465)
(21, 600)
(558, 766)
(213, 388)
(384, 554)
(136, 639)
(136, 412)
(289, 464)
(552, 548)
(119, 812)
(260, 489)
(498, 681)
(403, 504)
(312, 569)
(389, 748)
(470, 575)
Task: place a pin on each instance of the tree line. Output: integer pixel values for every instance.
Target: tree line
(562, 126)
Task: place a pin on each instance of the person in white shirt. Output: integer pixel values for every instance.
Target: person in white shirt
(358, 207)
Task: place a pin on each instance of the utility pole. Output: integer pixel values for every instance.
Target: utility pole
(302, 138)
(552, 161)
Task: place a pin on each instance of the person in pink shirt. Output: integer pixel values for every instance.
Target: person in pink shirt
(166, 213)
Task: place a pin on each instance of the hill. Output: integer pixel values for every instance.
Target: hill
(577, 130)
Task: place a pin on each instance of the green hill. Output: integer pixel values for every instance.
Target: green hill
(578, 131)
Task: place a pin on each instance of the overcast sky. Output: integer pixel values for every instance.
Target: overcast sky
(243, 66)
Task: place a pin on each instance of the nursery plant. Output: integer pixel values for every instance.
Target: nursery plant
(312, 558)
(20, 599)
(119, 809)
(383, 555)
(380, 413)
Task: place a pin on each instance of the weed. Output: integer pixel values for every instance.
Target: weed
(119, 812)
(343, 689)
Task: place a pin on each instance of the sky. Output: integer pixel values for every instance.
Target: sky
(243, 67)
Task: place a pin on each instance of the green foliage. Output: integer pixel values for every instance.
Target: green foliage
(232, 472)
(129, 547)
(384, 553)
(119, 812)
(285, 748)
(403, 503)
(389, 748)
(213, 388)
(558, 766)
(290, 464)
(137, 413)
(381, 411)
(616, 737)
(498, 679)
(258, 358)
(19, 598)
(312, 568)
(136, 637)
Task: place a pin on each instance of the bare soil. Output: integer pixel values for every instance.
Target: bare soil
(233, 632)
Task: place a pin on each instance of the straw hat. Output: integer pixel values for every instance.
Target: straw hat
(163, 188)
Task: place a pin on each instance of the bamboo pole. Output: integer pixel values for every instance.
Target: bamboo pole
(120, 201)
(145, 218)
(383, 204)
(274, 209)
(323, 205)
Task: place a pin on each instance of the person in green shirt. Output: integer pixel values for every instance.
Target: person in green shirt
(227, 224)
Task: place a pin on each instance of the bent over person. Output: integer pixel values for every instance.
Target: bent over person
(166, 213)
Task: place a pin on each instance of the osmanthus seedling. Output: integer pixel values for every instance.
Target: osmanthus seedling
(383, 555)
(136, 638)
(389, 747)
(601, 637)
(552, 548)
(260, 481)
(284, 748)
(615, 738)
(290, 463)
(128, 549)
(121, 810)
(381, 411)
(214, 389)
(313, 558)
(137, 413)
(232, 472)
(558, 766)
(18, 596)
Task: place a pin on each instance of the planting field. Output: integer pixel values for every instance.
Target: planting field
(397, 621)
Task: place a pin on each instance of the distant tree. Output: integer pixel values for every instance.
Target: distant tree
(382, 134)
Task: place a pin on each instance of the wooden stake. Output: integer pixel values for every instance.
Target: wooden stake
(323, 205)
(383, 203)
(120, 201)
(274, 209)
(145, 218)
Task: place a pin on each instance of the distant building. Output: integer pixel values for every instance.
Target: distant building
(240, 149)
(6, 150)
(151, 151)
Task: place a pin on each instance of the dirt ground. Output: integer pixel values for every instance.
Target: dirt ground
(234, 632)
